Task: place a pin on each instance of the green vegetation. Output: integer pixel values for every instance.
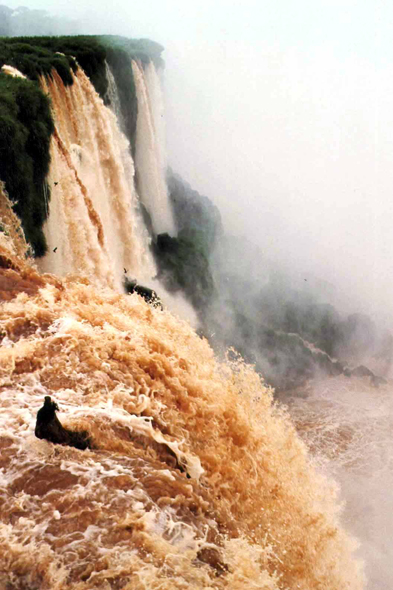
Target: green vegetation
(184, 266)
(36, 56)
(35, 59)
(26, 126)
(143, 49)
(183, 261)
(26, 123)
(195, 215)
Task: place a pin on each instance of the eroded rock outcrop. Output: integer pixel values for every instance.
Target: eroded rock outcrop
(49, 427)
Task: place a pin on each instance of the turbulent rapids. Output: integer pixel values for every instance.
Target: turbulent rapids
(194, 478)
(158, 408)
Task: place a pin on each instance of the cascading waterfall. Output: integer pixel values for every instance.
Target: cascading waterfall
(93, 172)
(149, 157)
(153, 85)
(113, 97)
(195, 479)
(74, 231)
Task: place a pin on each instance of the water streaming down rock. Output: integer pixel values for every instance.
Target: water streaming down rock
(154, 88)
(10, 225)
(149, 158)
(158, 407)
(74, 231)
(93, 191)
(112, 95)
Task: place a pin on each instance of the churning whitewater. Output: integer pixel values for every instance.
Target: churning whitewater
(196, 478)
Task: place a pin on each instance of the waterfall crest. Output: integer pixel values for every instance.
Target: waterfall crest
(94, 224)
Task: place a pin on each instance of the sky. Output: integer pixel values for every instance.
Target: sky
(281, 112)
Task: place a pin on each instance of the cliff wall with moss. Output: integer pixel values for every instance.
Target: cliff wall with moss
(26, 122)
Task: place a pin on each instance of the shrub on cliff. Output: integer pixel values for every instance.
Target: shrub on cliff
(194, 214)
(183, 265)
(184, 261)
(26, 127)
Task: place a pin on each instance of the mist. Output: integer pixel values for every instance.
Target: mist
(280, 115)
(292, 143)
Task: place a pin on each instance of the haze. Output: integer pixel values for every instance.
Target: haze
(281, 112)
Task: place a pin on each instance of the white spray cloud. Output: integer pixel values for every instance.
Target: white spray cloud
(281, 112)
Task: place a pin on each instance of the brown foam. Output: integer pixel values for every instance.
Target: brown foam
(153, 397)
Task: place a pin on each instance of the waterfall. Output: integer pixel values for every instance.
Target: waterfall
(195, 478)
(74, 231)
(153, 85)
(149, 159)
(94, 224)
(112, 95)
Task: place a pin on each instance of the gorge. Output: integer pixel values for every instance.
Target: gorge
(197, 478)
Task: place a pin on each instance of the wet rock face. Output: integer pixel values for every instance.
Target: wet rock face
(49, 427)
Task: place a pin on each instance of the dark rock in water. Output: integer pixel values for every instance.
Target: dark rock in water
(362, 371)
(50, 428)
(213, 558)
(148, 294)
(377, 381)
